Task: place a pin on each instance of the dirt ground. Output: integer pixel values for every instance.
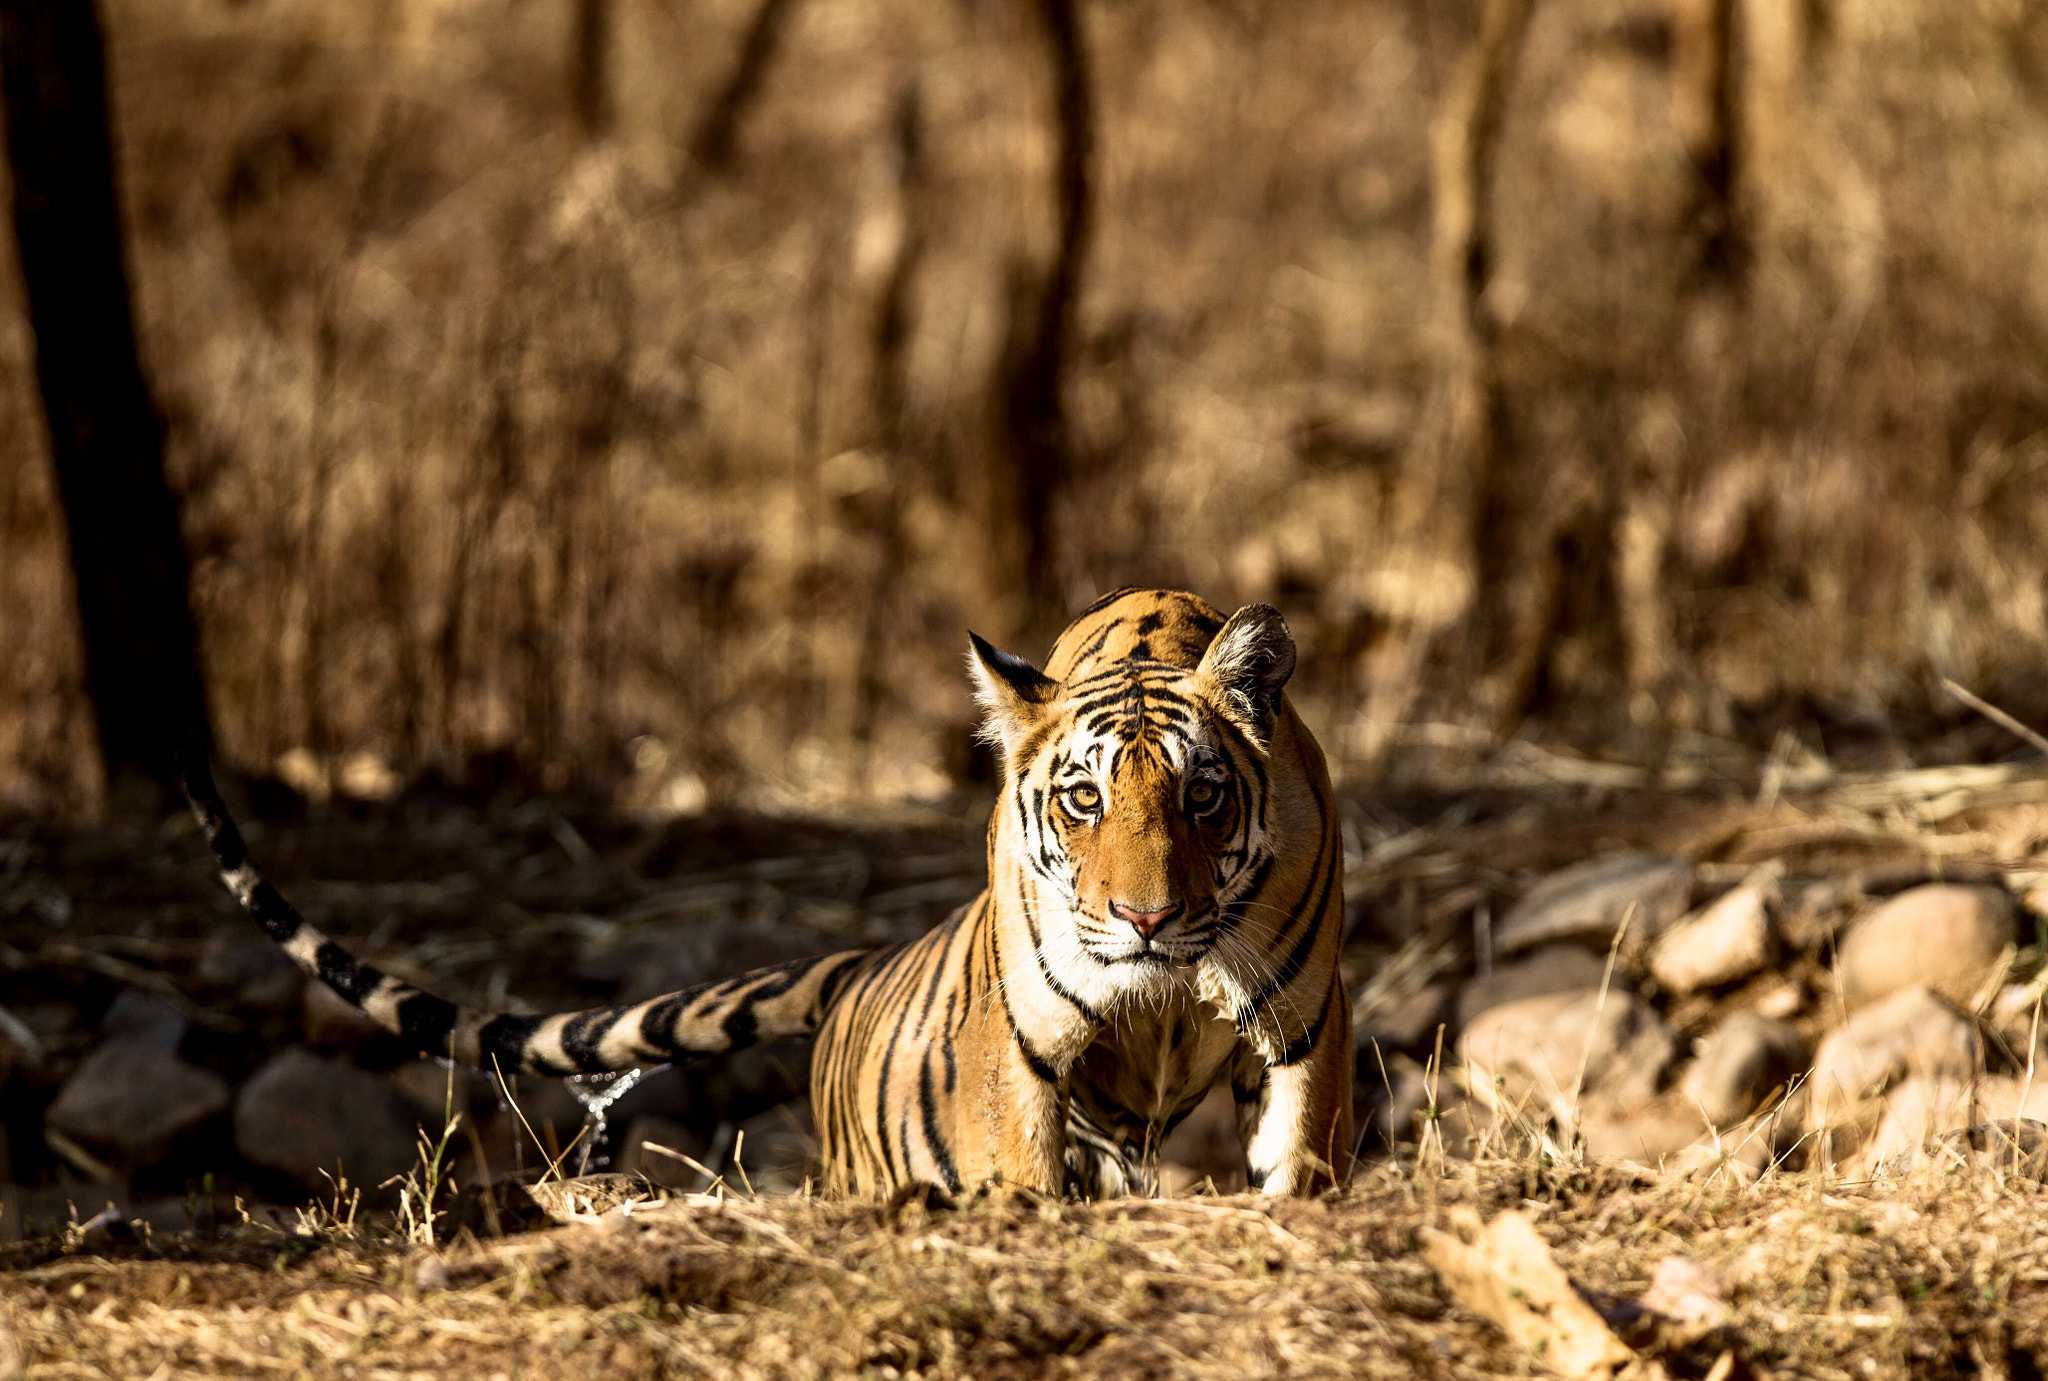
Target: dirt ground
(1938, 1277)
(1939, 1273)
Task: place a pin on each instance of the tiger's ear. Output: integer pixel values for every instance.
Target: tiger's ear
(1248, 665)
(1012, 694)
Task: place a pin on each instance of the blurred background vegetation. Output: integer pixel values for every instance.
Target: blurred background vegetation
(640, 398)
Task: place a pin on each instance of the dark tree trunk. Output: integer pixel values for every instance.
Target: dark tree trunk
(106, 441)
(590, 68)
(717, 139)
(1035, 424)
(1706, 105)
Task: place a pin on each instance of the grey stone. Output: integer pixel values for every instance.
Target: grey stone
(664, 958)
(1912, 1032)
(1919, 1110)
(2003, 1097)
(1943, 937)
(1738, 1064)
(1410, 1023)
(2013, 1147)
(143, 1019)
(1535, 1056)
(312, 1117)
(516, 1133)
(332, 1022)
(129, 1098)
(585, 1197)
(666, 1171)
(253, 971)
(1587, 903)
(1649, 1134)
(778, 1150)
(1549, 969)
(1728, 940)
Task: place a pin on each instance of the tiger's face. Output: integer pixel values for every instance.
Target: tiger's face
(1135, 791)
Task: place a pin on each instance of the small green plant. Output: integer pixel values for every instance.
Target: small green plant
(335, 1216)
(420, 1187)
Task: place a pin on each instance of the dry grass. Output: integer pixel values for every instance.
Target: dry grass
(1939, 1276)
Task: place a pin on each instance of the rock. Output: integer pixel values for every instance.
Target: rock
(2011, 1147)
(253, 971)
(1944, 937)
(1409, 1023)
(586, 1197)
(131, 1097)
(1915, 1113)
(143, 1019)
(1648, 1135)
(2013, 1008)
(634, 1157)
(1729, 940)
(1738, 1064)
(1389, 1099)
(311, 1117)
(1587, 903)
(516, 1132)
(776, 1152)
(1912, 1032)
(1526, 1057)
(332, 1022)
(1739, 1153)
(1961, 1120)
(436, 1089)
(650, 960)
(1781, 1002)
(1541, 972)
(2003, 1097)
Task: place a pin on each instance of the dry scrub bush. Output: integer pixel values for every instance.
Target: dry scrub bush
(651, 443)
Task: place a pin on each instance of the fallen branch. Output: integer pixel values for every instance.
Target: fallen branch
(1507, 1276)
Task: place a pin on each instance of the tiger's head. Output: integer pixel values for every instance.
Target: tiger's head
(1137, 786)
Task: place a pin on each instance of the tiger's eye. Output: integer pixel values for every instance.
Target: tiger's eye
(1202, 794)
(1084, 799)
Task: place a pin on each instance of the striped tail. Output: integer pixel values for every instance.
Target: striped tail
(774, 1003)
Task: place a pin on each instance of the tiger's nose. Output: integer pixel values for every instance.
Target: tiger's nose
(1145, 922)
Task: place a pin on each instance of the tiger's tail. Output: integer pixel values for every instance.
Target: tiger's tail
(774, 1003)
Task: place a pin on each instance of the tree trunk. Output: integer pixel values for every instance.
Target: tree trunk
(1035, 430)
(717, 139)
(590, 68)
(1430, 580)
(1705, 105)
(106, 440)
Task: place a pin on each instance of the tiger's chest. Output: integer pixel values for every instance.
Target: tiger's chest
(1144, 1073)
(907, 1081)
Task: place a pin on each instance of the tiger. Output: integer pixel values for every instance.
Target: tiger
(1163, 910)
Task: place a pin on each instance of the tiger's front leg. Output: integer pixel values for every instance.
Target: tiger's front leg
(1033, 1150)
(1012, 1127)
(1294, 1119)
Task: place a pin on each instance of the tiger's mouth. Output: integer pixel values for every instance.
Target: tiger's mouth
(1181, 943)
